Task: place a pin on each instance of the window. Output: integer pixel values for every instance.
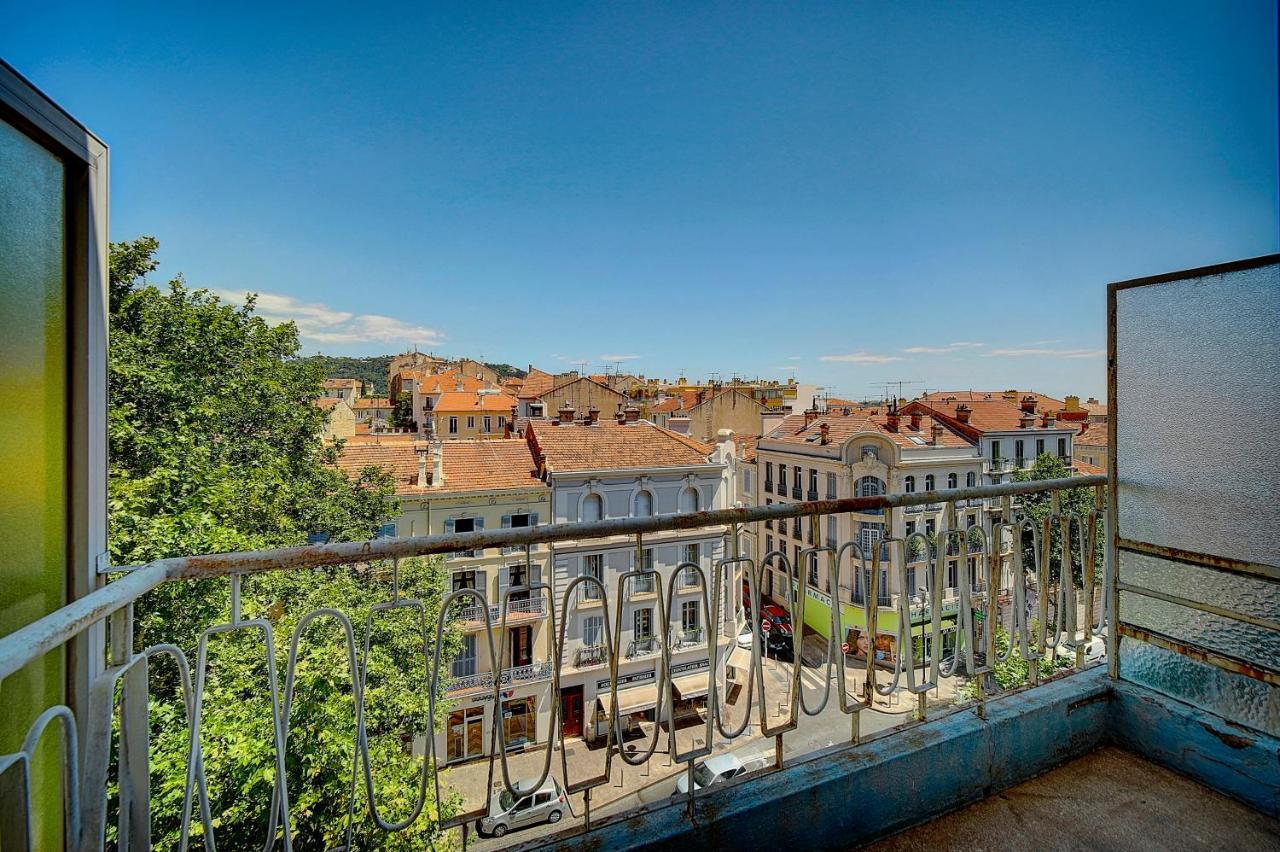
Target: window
(768, 522)
(689, 500)
(813, 570)
(592, 566)
(593, 630)
(831, 530)
(929, 526)
(868, 452)
(951, 480)
(488, 423)
(643, 623)
(747, 477)
(782, 479)
(831, 486)
(464, 665)
(909, 484)
(795, 528)
(1062, 448)
(689, 616)
(870, 486)
(692, 553)
(929, 482)
(463, 525)
(768, 543)
(453, 425)
(995, 449)
(592, 508)
(463, 580)
(813, 484)
(647, 563)
(970, 479)
(502, 422)
(387, 531)
(768, 476)
(869, 536)
(644, 504)
(471, 421)
(1018, 454)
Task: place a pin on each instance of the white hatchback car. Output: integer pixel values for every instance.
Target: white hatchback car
(713, 770)
(548, 803)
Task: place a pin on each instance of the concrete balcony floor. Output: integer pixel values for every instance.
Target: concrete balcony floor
(1108, 799)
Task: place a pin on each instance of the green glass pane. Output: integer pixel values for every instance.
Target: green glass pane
(33, 445)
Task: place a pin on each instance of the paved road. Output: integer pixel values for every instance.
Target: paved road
(632, 787)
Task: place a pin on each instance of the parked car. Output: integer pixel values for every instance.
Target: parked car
(547, 803)
(777, 642)
(713, 770)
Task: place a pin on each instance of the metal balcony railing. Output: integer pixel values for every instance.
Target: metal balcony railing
(97, 631)
(683, 639)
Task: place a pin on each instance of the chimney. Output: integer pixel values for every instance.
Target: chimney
(457, 385)
(810, 415)
(566, 414)
(963, 413)
(593, 415)
(632, 414)
(825, 431)
(437, 455)
(1050, 420)
(915, 421)
(1028, 419)
(421, 448)
(1029, 404)
(937, 434)
(894, 419)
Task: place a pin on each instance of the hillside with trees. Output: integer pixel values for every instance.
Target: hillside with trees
(373, 370)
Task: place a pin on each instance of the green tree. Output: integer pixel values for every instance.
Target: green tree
(402, 413)
(214, 446)
(1012, 671)
(1039, 506)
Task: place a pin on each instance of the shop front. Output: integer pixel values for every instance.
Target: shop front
(522, 712)
(637, 703)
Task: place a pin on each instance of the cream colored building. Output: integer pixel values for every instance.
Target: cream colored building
(858, 453)
(341, 420)
(447, 487)
(581, 395)
(372, 410)
(1092, 447)
(701, 414)
(348, 389)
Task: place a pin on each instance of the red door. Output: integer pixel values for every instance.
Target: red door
(571, 710)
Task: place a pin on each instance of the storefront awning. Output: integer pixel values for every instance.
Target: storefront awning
(693, 685)
(633, 700)
(740, 659)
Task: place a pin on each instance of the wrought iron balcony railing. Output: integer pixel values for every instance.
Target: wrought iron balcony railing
(118, 691)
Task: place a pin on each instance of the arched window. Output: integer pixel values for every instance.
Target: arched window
(951, 480)
(909, 484)
(970, 479)
(644, 504)
(929, 482)
(870, 486)
(592, 508)
(689, 500)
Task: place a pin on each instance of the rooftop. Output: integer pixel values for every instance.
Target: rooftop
(496, 403)
(469, 465)
(608, 445)
(875, 421)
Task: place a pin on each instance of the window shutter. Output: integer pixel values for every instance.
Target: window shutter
(506, 525)
(448, 526)
(533, 519)
(479, 523)
(482, 584)
(535, 574)
(504, 580)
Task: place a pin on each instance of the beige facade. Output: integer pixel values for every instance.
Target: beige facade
(582, 395)
(702, 414)
(474, 370)
(341, 422)
(348, 389)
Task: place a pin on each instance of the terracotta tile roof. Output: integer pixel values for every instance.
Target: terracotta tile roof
(334, 384)
(536, 383)
(372, 402)
(370, 437)
(1086, 469)
(843, 426)
(448, 383)
(1043, 401)
(986, 415)
(747, 447)
(609, 446)
(327, 403)
(1093, 435)
(469, 465)
(497, 403)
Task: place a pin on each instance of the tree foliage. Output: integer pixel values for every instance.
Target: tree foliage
(1039, 506)
(214, 445)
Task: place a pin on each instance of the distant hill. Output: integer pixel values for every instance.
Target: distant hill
(373, 370)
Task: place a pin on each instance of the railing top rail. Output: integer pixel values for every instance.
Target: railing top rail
(38, 638)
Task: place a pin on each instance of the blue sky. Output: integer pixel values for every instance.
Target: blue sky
(848, 194)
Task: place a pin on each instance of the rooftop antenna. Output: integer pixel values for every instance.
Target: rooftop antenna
(885, 387)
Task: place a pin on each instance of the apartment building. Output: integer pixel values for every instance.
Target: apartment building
(613, 469)
(372, 409)
(857, 453)
(701, 414)
(348, 389)
(582, 394)
(340, 420)
(456, 415)
(464, 486)
(1092, 447)
(1010, 434)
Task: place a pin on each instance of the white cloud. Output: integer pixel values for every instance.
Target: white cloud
(942, 350)
(861, 358)
(322, 324)
(794, 358)
(1033, 352)
(619, 357)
